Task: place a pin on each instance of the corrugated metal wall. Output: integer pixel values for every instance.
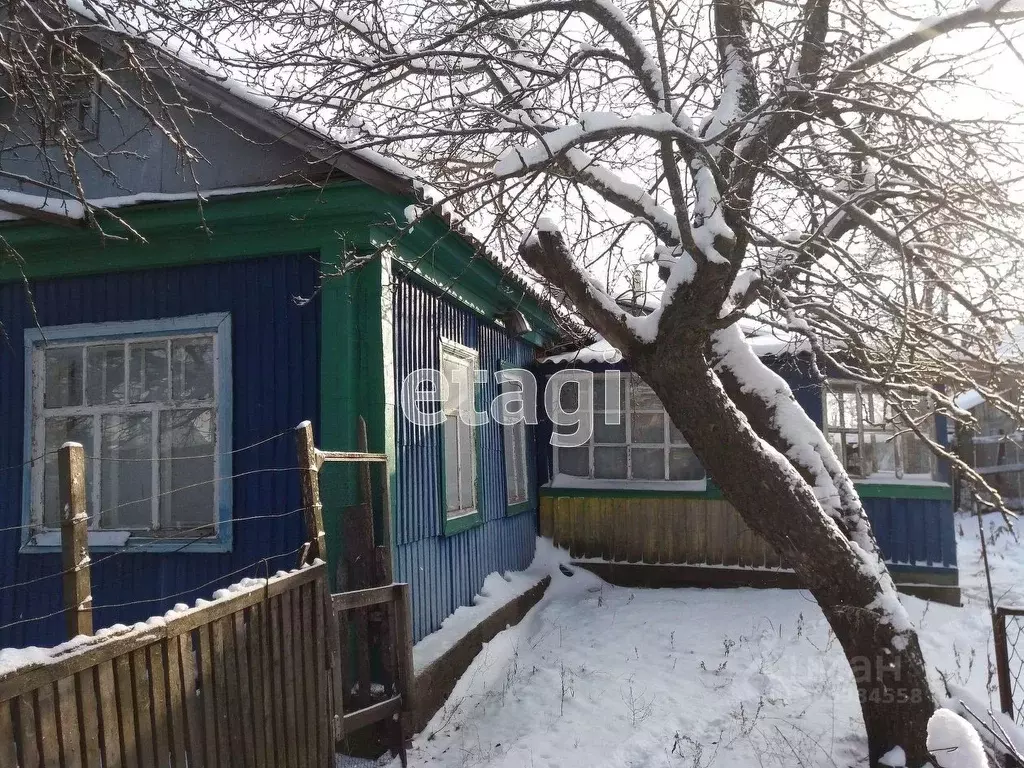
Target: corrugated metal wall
(446, 572)
(275, 357)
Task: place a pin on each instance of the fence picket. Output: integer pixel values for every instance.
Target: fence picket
(220, 686)
(68, 732)
(309, 676)
(277, 681)
(49, 746)
(189, 693)
(158, 701)
(109, 730)
(288, 655)
(244, 689)
(258, 675)
(207, 695)
(126, 706)
(143, 707)
(89, 720)
(8, 745)
(27, 733)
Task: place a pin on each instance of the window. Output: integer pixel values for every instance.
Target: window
(862, 428)
(634, 441)
(79, 87)
(146, 401)
(458, 366)
(517, 476)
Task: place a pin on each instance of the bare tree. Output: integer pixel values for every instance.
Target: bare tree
(800, 163)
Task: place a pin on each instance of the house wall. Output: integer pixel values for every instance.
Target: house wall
(447, 571)
(913, 524)
(275, 361)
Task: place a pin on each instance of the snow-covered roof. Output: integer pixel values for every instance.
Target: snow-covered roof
(763, 339)
(972, 398)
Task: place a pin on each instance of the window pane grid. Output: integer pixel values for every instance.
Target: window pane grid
(649, 449)
(458, 365)
(120, 391)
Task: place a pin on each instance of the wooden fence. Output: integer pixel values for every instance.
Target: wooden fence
(246, 681)
(252, 680)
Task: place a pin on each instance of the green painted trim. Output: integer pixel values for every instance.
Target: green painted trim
(629, 493)
(462, 523)
(352, 214)
(518, 509)
(901, 491)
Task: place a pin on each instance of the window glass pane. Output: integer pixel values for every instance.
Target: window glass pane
(63, 385)
(849, 401)
(601, 391)
(876, 411)
(642, 397)
(574, 461)
(59, 430)
(917, 458)
(192, 369)
(147, 372)
(857, 463)
(610, 463)
(879, 453)
(836, 441)
(683, 465)
(104, 378)
(648, 427)
(515, 462)
(569, 395)
(467, 468)
(648, 463)
(609, 433)
(126, 482)
(833, 412)
(674, 435)
(451, 463)
(187, 445)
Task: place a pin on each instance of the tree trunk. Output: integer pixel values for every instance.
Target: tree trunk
(852, 586)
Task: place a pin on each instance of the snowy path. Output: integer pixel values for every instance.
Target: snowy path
(604, 676)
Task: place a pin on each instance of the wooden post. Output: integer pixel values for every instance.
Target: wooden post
(1002, 661)
(74, 540)
(403, 641)
(309, 481)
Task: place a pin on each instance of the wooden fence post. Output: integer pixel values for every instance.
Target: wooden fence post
(74, 540)
(1002, 661)
(309, 481)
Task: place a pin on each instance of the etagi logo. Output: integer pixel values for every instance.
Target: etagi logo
(430, 397)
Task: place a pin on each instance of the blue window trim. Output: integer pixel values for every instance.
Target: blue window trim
(216, 322)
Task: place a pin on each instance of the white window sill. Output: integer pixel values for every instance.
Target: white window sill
(888, 478)
(590, 483)
(136, 541)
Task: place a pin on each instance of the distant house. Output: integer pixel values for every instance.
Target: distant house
(183, 363)
(635, 499)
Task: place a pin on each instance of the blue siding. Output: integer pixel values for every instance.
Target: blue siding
(275, 353)
(446, 572)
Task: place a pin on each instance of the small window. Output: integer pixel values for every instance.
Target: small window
(458, 366)
(865, 434)
(517, 480)
(144, 400)
(78, 87)
(633, 442)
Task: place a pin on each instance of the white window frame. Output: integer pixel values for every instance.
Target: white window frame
(216, 325)
(574, 481)
(892, 430)
(469, 359)
(515, 435)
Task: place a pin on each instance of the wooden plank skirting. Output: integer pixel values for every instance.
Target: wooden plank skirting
(238, 682)
(654, 530)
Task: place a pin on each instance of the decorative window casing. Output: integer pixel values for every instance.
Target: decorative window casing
(635, 445)
(866, 434)
(150, 402)
(517, 468)
(460, 461)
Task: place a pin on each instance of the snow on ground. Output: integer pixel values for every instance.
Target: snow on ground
(597, 675)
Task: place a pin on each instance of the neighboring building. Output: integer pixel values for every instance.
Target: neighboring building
(183, 363)
(635, 499)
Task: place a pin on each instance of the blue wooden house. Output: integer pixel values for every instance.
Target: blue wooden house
(634, 499)
(183, 362)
